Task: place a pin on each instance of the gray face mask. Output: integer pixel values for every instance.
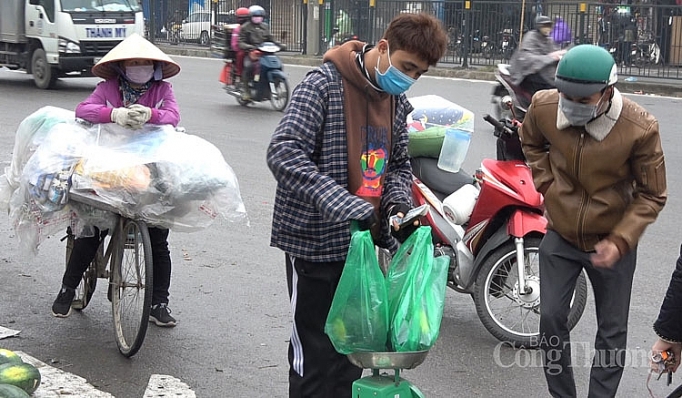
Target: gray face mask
(578, 114)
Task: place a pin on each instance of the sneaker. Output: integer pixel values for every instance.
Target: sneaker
(61, 308)
(160, 315)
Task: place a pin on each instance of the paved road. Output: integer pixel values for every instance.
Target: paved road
(229, 291)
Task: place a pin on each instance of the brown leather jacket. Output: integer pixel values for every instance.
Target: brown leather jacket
(613, 188)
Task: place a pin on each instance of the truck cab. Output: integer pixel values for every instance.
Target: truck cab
(63, 38)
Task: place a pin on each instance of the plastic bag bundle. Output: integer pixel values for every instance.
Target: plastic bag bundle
(416, 283)
(427, 123)
(358, 317)
(164, 177)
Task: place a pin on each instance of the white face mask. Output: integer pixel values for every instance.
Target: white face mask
(579, 114)
(140, 74)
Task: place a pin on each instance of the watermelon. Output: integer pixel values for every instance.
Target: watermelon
(22, 375)
(12, 391)
(7, 356)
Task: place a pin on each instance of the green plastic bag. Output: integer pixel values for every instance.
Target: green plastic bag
(358, 317)
(416, 283)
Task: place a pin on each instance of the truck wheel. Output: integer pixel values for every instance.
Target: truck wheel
(44, 75)
(203, 38)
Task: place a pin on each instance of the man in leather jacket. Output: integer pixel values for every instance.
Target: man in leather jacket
(596, 157)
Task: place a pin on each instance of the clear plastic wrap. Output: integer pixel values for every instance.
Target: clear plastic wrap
(156, 174)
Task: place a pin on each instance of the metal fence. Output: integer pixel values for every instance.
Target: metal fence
(645, 39)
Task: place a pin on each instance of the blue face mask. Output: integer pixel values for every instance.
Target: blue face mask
(393, 81)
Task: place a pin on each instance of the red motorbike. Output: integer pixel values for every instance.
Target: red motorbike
(491, 226)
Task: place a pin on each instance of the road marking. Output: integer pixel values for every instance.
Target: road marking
(57, 383)
(167, 386)
(5, 332)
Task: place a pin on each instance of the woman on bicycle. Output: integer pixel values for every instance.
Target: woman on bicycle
(133, 93)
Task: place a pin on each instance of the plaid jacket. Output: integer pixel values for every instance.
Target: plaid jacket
(309, 159)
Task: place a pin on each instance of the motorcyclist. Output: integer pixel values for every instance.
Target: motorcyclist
(533, 65)
(251, 35)
(242, 18)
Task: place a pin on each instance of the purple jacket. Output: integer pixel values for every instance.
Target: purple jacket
(561, 33)
(98, 106)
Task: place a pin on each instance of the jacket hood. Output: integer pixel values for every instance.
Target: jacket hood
(344, 58)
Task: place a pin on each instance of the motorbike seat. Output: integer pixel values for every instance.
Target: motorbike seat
(441, 182)
(523, 97)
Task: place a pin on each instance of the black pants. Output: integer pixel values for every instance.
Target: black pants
(247, 71)
(560, 267)
(84, 250)
(315, 368)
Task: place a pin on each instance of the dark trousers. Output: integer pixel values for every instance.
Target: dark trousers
(247, 72)
(84, 250)
(560, 267)
(315, 368)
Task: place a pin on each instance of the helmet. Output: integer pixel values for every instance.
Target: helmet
(256, 11)
(242, 12)
(585, 70)
(542, 20)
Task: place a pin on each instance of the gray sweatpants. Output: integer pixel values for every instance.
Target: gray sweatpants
(560, 267)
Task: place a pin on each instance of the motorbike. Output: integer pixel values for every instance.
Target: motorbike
(507, 44)
(486, 47)
(269, 81)
(646, 53)
(490, 226)
(336, 40)
(510, 101)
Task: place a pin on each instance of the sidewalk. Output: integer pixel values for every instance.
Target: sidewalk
(634, 85)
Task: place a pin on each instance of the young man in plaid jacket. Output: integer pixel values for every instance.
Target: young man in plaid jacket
(340, 154)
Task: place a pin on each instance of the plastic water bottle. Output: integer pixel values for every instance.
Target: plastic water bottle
(454, 149)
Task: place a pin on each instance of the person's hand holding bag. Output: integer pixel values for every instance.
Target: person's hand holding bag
(367, 222)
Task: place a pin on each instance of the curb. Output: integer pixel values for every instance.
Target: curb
(653, 88)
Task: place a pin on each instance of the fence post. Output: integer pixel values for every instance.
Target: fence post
(372, 9)
(582, 8)
(152, 22)
(320, 21)
(304, 27)
(465, 35)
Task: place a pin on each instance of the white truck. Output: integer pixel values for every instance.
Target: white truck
(63, 38)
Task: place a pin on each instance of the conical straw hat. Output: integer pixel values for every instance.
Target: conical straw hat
(134, 46)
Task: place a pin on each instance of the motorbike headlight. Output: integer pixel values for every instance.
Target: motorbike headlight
(68, 47)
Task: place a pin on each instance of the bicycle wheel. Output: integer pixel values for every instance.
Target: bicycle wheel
(87, 285)
(131, 289)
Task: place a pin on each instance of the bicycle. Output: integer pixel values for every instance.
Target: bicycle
(174, 33)
(125, 260)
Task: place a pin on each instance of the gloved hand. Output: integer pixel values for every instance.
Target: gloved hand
(139, 115)
(120, 117)
(405, 231)
(367, 222)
